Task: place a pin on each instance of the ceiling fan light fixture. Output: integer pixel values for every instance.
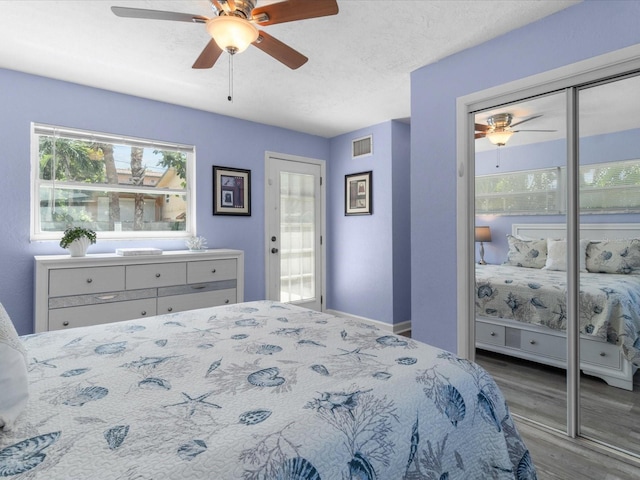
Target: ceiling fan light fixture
(231, 33)
(499, 138)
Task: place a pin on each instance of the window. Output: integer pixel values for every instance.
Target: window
(612, 187)
(120, 187)
(529, 192)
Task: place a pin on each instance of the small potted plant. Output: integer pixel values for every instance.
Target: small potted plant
(77, 240)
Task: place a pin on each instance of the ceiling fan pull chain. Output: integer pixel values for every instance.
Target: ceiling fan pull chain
(230, 97)
(498, 158)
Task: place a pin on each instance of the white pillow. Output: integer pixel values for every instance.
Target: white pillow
(13, 372)
(557, 255)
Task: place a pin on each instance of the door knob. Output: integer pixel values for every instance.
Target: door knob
(274, 250)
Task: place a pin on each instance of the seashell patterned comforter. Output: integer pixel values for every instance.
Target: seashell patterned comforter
(259, 390)
(609, 303)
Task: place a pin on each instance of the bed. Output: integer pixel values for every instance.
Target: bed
(521, 305)
(257, 390)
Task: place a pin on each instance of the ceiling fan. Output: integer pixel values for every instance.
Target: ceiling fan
(233, 27)
(499, 128)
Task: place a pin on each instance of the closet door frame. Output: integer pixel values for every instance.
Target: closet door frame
(568, 79)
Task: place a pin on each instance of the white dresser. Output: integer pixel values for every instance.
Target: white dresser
(80, 291)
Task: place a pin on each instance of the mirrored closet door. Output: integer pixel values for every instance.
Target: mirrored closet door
(556, 297)
(608, 178)
(520, 307)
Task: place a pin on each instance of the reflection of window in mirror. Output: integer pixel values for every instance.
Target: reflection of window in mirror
(609, 171)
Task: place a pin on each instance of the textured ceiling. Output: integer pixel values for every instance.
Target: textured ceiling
(358, 72)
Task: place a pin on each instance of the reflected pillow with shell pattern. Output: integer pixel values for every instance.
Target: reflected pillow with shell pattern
(526, 253)
(14, 391)
(614, 256)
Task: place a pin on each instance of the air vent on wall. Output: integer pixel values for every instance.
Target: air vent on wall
(362, 147)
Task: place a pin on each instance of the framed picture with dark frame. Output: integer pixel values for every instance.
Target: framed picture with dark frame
(231, 191)
(358, 194)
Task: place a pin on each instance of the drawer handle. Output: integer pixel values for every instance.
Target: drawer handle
(226, 301)
(213, 271)
(602, 354)
(197, 287)
(493, 334)
(157, 275)
(532, 342)
(106, 297)
(89, 280)
(170, 309)
(65, 323)
(143, 312)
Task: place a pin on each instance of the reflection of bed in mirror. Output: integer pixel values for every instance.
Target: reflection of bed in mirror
(521, 311)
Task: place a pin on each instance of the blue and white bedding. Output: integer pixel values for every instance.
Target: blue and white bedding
(259, 390)
(609, 303)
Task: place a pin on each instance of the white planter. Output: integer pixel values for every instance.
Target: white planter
(78, 248)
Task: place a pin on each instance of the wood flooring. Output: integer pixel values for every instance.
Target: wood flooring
(610, 415)
(558, 457)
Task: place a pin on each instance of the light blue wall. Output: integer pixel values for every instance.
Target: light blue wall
(359, 246)
(219, 140)
(611, 147)
(368, 272)
(401, 136)
(585, 30)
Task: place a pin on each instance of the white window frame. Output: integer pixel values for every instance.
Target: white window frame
(190, 190)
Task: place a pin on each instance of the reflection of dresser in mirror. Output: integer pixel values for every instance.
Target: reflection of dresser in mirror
(102, 288)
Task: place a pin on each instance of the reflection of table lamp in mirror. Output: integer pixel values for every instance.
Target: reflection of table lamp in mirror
(483, 234)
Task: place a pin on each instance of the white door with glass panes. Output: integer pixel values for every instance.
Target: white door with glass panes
(294, 223)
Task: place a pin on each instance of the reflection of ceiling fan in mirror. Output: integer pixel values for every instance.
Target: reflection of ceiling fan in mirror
(499, 128)
(233, 28)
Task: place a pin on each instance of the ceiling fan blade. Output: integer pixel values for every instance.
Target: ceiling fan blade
(481, 128)
(291, 10)
(480, 135)
(280, 51)
(209, 55)
(525, 120)
(157, 15)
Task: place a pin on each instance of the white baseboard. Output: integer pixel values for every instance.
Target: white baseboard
(396, 328)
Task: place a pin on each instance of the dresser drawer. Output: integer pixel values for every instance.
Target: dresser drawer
(156, 275)
(78, 281)
(545, 345)
(191, 301)
(211, 270)
(97, 314)
(196, 288)
(489, 334)
(599, 353)
(102, 297)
